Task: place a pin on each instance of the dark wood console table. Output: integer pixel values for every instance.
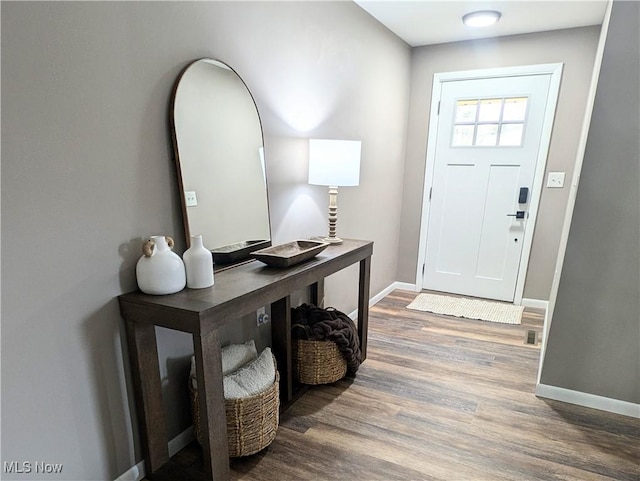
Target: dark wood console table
(237, 292)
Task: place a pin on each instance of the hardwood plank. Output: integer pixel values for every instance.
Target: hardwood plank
(441, 398)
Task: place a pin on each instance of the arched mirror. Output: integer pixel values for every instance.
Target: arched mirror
(219, 154)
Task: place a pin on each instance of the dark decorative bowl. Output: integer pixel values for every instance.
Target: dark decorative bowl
(290, 254)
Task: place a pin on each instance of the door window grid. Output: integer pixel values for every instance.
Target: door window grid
(489, 122)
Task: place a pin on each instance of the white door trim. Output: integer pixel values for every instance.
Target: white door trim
(555, 70)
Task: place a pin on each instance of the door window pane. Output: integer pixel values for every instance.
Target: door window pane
(487, 134)
(511, 134)
(490, 110)
(466, 111)
(463, 135)
(489, 122)
(514, 109)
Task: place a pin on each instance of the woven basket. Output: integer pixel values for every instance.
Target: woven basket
(252, 421)
(318, 362)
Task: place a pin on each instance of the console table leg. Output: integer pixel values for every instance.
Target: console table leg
(316, 293)
(281, 340)
(213, 422)
(143, 351)
(363, 304)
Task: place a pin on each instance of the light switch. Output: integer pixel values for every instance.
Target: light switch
(555, 180)
(190, 198)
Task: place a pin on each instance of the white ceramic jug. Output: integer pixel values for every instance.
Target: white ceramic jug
(160, 270)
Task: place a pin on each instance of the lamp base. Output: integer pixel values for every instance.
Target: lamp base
(332, 240)
(333, 216)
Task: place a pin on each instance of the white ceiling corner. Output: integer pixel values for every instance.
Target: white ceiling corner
(429, 22)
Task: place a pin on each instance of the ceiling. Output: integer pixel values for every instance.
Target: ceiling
(428, 22)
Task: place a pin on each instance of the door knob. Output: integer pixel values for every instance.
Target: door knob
(518, 215)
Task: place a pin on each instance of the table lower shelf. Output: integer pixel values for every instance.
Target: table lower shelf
(202, 312)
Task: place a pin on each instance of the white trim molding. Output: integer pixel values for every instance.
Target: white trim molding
(535, 303)
(137, 472)
(134, 474)
(554, 70)
(593, 401)
(381, 295)
(405, 286)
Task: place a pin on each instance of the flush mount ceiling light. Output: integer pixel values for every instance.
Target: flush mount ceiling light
(482, 18)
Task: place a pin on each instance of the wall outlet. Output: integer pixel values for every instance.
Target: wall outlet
(190, 198)
(262, 317)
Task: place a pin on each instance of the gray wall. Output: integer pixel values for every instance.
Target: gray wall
(576, 49)
(595, 331)
(87, 173)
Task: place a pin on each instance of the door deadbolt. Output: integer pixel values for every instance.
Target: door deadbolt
(523, 196)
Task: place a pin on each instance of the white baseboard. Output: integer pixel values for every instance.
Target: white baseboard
(134, 474)
(385, 292)
(588, 400)
(405, 286)
(137, 472)
(535, 303)
(181, 440)
(389, 289)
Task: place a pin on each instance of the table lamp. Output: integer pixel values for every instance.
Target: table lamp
(334, 163)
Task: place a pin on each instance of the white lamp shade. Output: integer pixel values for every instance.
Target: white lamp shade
(334, 162)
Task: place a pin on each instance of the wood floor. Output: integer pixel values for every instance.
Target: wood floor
(439, 398)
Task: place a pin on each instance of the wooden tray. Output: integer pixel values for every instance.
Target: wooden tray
(292, 253)
(238, 251)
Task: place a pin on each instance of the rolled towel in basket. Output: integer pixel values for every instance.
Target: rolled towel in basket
(234, 357)
(252, 378)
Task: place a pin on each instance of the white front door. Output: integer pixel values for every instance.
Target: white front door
(487, 145)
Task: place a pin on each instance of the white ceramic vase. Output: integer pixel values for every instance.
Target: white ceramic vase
(198, 262)
(160, 270)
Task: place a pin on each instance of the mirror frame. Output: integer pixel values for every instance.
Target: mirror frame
(228, 256)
